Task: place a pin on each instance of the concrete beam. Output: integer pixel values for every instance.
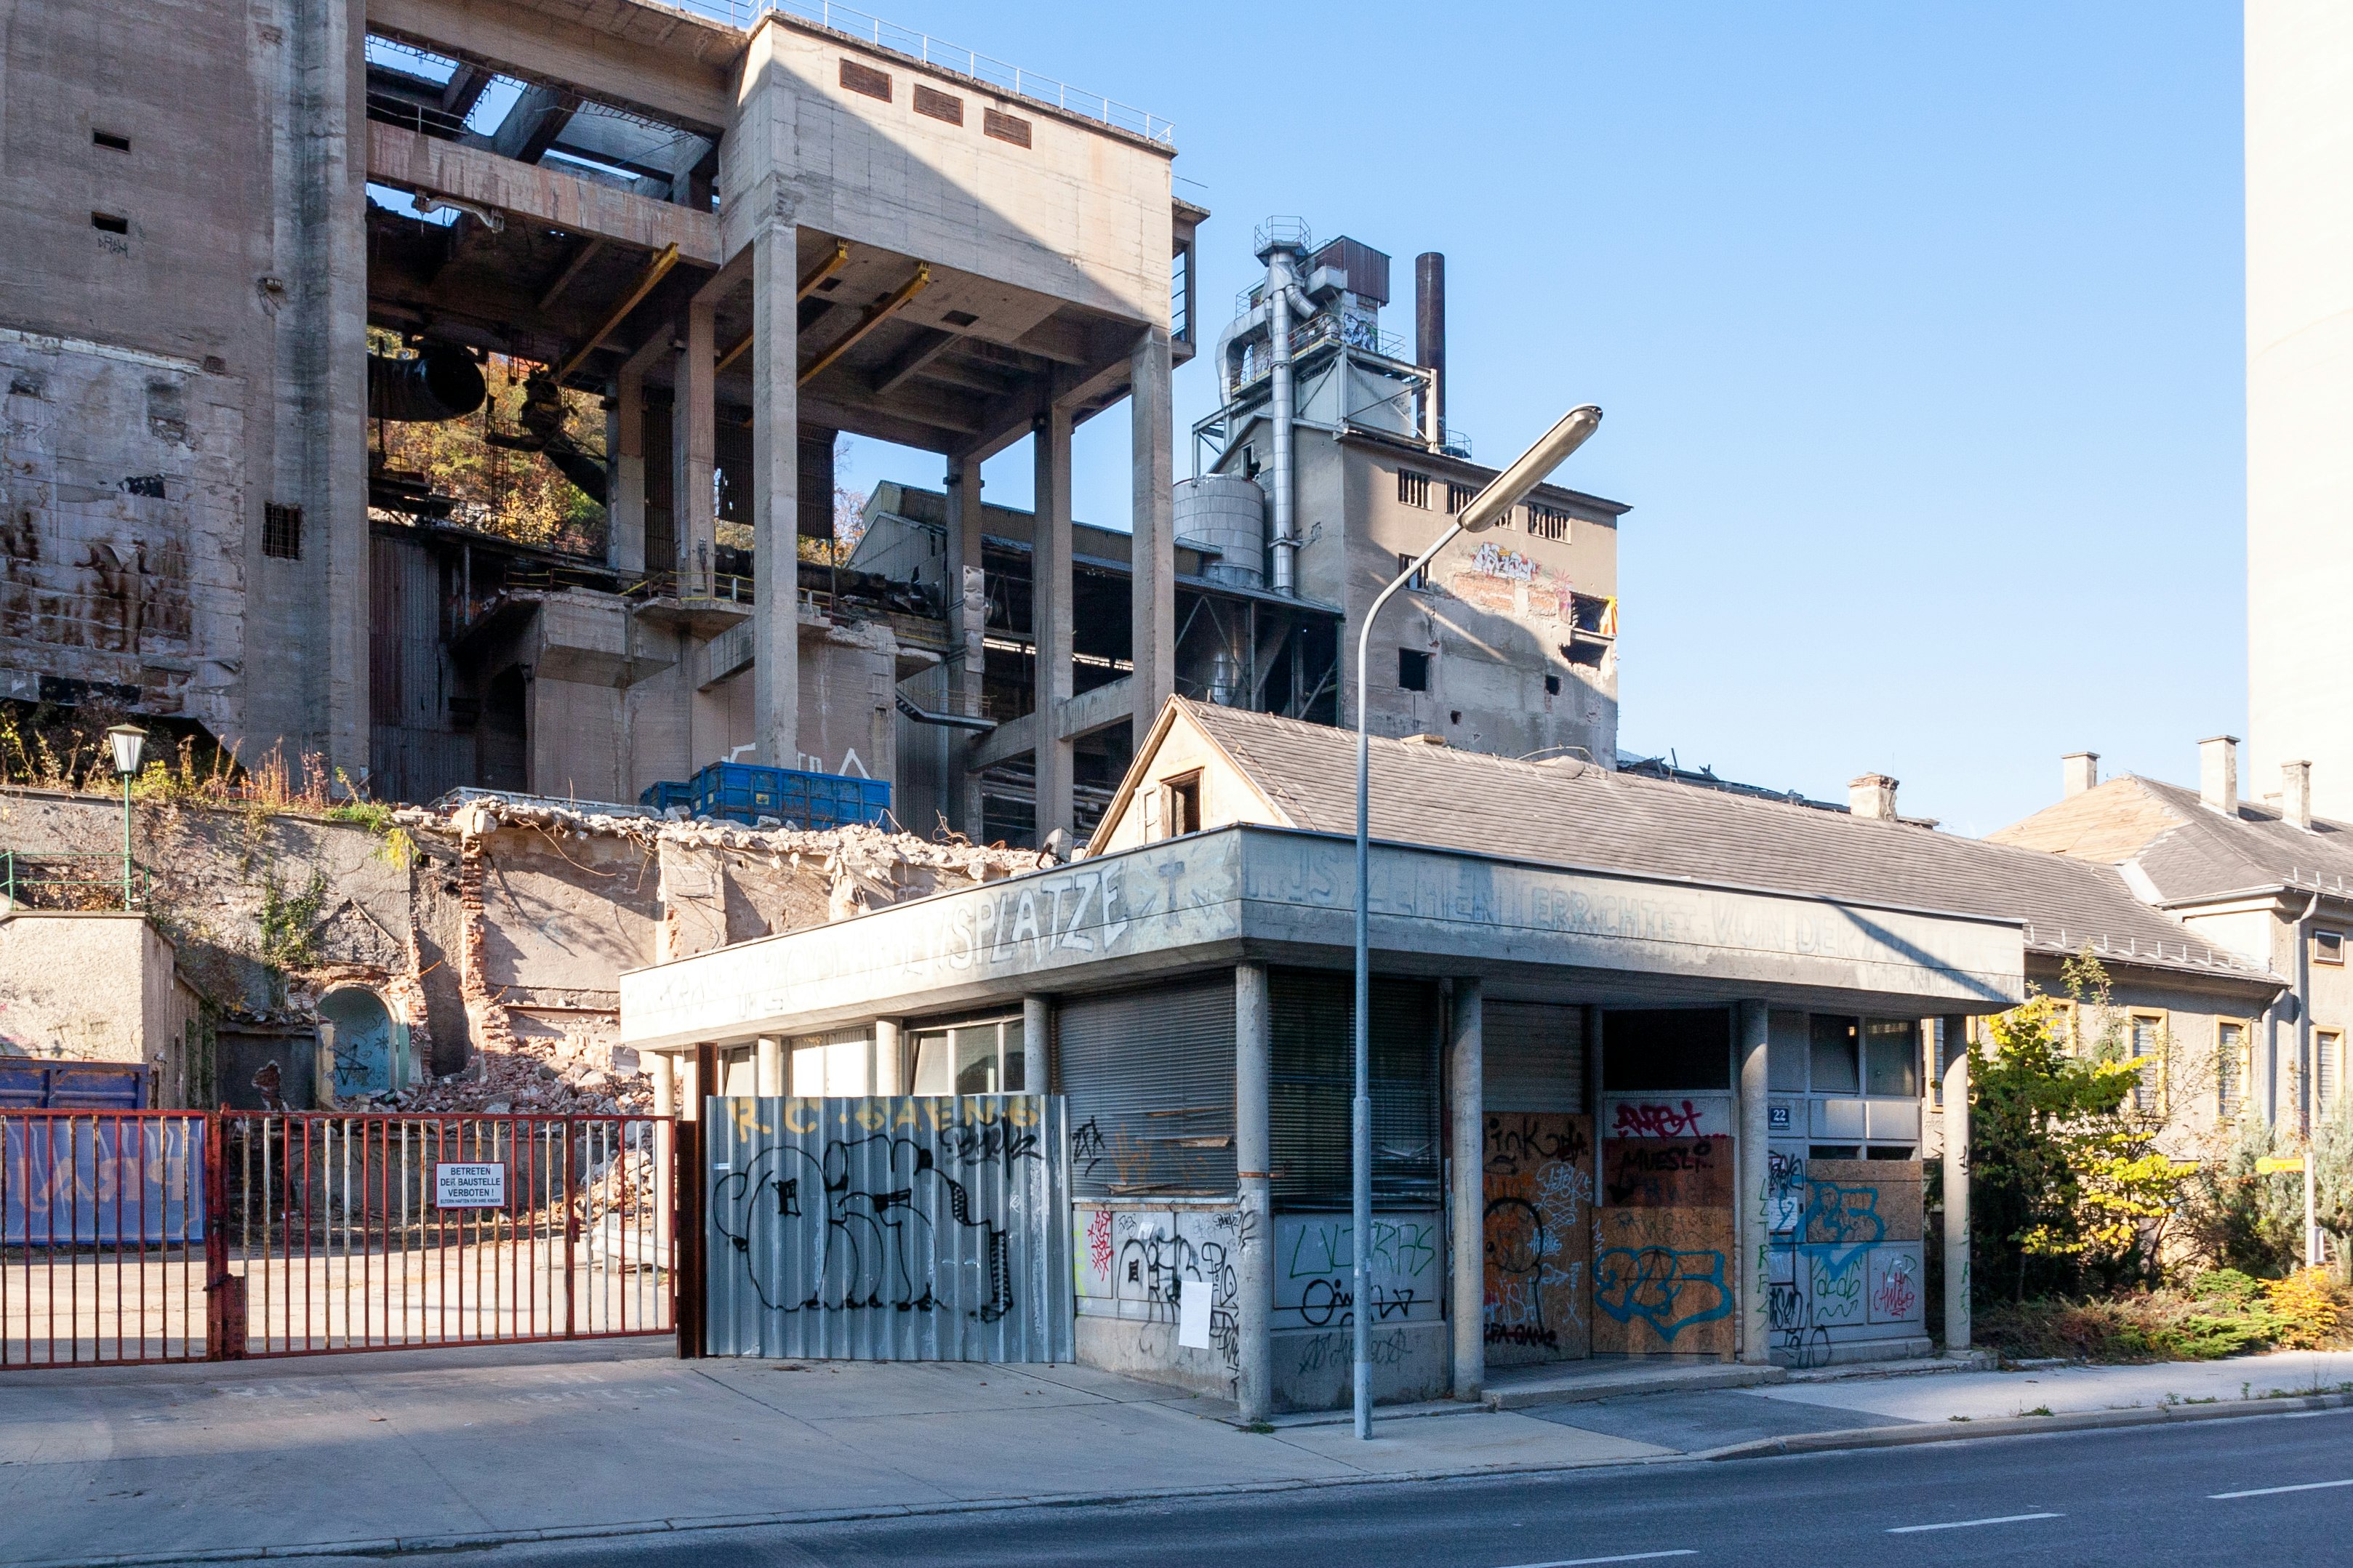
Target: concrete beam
(399, 156)
(670, 65)
(531, 126)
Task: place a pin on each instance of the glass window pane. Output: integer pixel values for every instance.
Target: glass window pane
(2324, 1069)
(1834, 1064)
(1017, 1063)
(1891, 1049)
(2230, 1045)
(1785, 1053)
(976, 1060)
(934, 1064)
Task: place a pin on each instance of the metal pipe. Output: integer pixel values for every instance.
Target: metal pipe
(2304, 1087)
(1430, 335)
(1279, 292)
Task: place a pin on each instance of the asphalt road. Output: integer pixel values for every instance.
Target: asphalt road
(2137, 1496)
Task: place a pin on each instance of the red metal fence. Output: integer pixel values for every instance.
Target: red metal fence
(185, 1236)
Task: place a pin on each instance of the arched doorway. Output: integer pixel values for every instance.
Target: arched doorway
(363, 1047)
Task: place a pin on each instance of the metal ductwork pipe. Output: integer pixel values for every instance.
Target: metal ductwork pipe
(1430, 331)
(1282, 288)
(440, 382)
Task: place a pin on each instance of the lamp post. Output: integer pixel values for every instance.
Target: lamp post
(128, 740)
(1488, 507)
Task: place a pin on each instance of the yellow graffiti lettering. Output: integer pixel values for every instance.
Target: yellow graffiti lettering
(801, 1115)
(906, 1117)
(870, 1116)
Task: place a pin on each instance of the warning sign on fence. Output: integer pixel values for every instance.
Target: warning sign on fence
(456, 1187)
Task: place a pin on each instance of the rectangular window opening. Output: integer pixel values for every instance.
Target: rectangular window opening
(2327, 1067)
(1419, 582)
(1552, 686)
(2148, 1045)
(2229, 1069)
(110, 141)
(1413, 488)
(1835, 1066)
(282, 532)
(1184, 806)
(1457, 496)
(2328, 947)
(988, 1056)
(1005, 127)
(1413, 669)
(1547, 522)
(939, 105)
(866, 79)
(107, 223)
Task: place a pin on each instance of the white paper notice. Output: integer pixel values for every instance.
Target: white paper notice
(456, 1187)
(1192, 1315)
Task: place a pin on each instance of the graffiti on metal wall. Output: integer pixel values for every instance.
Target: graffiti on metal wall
(1538, 1184)
(1844, 1260)
(1144, 1261)
(930, 1207)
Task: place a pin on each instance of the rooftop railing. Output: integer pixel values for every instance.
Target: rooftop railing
(997, 73)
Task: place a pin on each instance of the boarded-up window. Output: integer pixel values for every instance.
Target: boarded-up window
(1005, 127)
(1149, 1078)
(1533, 1057)
(939, 105)
(866, 79)
(1314, 1083)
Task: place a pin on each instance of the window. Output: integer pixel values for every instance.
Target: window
(1552, 686)
(984, 1058)
(866, 79)
(2327, 1059)
(1184, 810)
(837, 1064)
(1457, 496)
(1666, 1050)
(107, 223)
(1891, 1057)
(2229, 1069)
(1419, 582)
(2148, 1045)
(110, 141)
(2328, 947)
(282, 532)
(2062, 1026)
(939, 105)
(1833, 1056)
(1413, 669)
(1413, 488)
(1005, 127)
(1547, 522)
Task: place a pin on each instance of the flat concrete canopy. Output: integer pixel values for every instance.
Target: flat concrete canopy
(1280, 895)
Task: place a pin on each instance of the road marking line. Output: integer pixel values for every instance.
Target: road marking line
(1971, 1523)
(2275, 1491)
(1626, 1557)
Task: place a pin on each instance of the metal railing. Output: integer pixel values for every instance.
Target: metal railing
(982, 69)
(91, 879)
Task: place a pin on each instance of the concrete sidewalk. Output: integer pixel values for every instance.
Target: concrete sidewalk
(423, 1448)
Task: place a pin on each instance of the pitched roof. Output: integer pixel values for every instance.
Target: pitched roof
(2187, 852)
(1568, 813)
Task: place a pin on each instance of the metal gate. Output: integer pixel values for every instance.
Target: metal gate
(890, 1229)
(179, 1236)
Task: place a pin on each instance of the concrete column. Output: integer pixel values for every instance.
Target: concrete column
(1050, 616)
(665, 1071)
(889, 1071)
(1957, 1196)
(694, 439)
(965, 595)
(1038, 1044)
(776, 494)
(624, 512)
(1753, 1231)
(1153, 613)
(327, 274)
(769, 1067)
(1467, 1258)
(1254, 1166)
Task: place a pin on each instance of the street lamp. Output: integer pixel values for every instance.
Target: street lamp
(128, 740)
(1488, 507)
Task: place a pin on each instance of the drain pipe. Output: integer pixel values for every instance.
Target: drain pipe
(2308, 1101)
(1282, 292)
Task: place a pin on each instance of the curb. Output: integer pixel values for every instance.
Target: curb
(1698, 1380)
(2015, 1426)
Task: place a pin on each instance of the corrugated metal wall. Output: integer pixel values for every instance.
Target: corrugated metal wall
(413, 755)
(890, 1229)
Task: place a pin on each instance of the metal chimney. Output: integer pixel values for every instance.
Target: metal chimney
(1430, 325)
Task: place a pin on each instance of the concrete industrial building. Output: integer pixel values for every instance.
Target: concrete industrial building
(2299, 117)
(744, 239)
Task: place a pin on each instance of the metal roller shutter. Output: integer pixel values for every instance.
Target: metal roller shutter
(1149, 1078)
(1534, 1055)
(1314, 1079)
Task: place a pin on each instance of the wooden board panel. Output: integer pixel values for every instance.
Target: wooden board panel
(1667, 1172)
(1538, 1184)
(1663, 1283)
(1862, 1201)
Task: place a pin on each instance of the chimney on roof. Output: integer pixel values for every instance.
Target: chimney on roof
(2296, 794)
(2078, 772)
(1872, 795)
(2218, 773)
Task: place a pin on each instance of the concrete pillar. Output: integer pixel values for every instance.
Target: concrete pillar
(1153, 613)
(693, 440)
(1956, 1195)
(965, 590)
(769, 1067)
(776, 494)
(1467, 1256)
(1038, 1064)
(1254, 1166)
(1049, 616)
(665, 1071)
(889, 1071)
(1752, 1228)
(326, 270)
(624, 512)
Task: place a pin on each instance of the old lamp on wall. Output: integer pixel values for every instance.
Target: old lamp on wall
(127, 741)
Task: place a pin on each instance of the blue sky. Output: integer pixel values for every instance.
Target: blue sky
(1919, 329)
